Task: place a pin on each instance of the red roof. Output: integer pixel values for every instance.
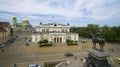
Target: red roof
(4, 23)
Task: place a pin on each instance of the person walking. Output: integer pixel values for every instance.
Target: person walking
(75, 57)
(2, 50)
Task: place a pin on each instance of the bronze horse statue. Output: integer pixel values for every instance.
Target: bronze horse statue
(96, 39)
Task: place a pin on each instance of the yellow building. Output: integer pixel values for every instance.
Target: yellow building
(4, 32)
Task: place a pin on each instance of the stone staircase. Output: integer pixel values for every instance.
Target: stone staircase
(59, 44)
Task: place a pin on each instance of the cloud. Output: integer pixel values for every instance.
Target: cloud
(98, 10)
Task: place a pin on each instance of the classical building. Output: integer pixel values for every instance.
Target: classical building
(24, 26)
(54, 32)
(4, 32)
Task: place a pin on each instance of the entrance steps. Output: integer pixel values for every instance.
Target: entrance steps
(59, 44)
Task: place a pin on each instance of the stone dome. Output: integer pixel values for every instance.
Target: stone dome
(14, 17)
(25, 19)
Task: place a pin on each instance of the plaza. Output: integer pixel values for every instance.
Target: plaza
(22, 55)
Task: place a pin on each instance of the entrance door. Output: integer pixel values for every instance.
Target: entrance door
(57, 39)
(60, 40)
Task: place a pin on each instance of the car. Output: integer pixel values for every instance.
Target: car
(68, 54)
(3, 45)
(14, 65)
(34, 65)
(117, 60)
(27, 44)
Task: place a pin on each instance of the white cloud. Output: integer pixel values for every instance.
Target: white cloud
(69, 8)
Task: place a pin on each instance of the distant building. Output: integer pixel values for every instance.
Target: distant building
(25, 26)
(4, 32)
(54, 32)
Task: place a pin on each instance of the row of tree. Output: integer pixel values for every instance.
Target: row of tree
(111, 34)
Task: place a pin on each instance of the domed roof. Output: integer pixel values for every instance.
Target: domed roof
(14, 17)
(25, 19)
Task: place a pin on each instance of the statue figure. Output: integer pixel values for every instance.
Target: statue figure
(96, 39)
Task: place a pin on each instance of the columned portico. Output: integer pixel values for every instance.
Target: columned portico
(58, 40)
(55, 33)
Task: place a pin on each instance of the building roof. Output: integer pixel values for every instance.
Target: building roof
(25, 19)
(14, 17)
(55, 23)
(4, 23)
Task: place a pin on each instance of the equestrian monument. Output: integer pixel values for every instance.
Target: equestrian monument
(97, 57)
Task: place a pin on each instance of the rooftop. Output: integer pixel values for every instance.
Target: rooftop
(4, 23)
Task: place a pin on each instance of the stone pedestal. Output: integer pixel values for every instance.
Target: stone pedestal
(97, 59)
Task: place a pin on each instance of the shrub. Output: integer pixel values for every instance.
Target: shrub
(71, 44)
(45, 45)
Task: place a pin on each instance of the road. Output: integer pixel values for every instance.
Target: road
(23, 55)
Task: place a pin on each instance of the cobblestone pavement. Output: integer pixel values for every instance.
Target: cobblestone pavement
(22, 55)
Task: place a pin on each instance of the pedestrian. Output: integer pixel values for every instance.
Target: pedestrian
(109, 49)
(112, 50)
(2, 50)
(75, 57)
(85, 46)
(82, 47)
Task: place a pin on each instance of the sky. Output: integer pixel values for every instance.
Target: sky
(75, 12)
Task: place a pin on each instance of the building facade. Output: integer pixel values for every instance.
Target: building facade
(54, 32)
(4, 32)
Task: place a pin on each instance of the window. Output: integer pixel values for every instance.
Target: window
(43, 30)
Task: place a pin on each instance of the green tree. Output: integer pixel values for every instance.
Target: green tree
(92, 29)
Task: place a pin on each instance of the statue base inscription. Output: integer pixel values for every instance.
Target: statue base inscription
(97, 59)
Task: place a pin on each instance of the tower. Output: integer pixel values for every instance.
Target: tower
(14, 22)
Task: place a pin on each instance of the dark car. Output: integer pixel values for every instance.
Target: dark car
(68, 54)
(27, 44)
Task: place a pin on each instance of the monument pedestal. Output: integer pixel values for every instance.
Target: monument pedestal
(97, 59)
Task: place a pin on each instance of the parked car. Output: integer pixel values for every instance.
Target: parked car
(68, 54)
(14, 65)
(3, 45)
(117, 60)
(27, 44)
(34, 65)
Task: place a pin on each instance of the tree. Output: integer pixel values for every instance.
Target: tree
(92, 28)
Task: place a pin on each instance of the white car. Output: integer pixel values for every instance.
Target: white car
(34, 65)
(3, 45)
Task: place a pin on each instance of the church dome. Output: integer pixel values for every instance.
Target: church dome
(25, 19)
(14, 17)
